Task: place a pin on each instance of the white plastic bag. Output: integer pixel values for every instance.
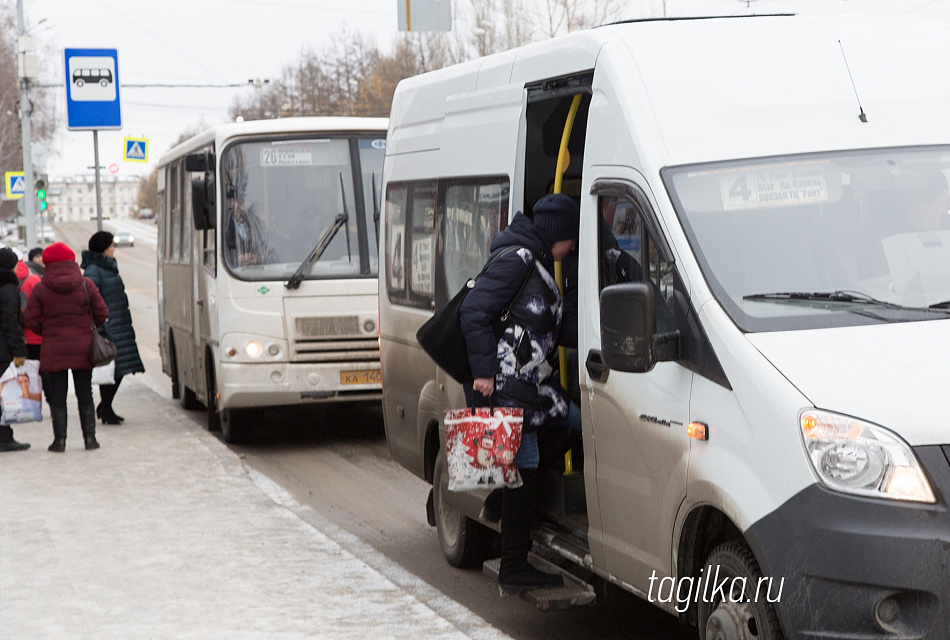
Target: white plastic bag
(104, 374)
(21, 393)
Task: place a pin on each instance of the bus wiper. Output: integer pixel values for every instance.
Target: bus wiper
(325, 238)
(851, 297)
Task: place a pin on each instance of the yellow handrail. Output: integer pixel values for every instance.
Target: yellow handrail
(563, 160)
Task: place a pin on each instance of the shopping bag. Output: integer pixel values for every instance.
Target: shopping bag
(104, 374)
(480, 447)
(21, 393)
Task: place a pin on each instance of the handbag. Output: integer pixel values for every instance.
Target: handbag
(101, 349)
(480, 447)
(104, 374)
(441, 335)
(21, 393)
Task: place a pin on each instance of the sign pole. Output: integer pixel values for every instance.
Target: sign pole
(95, 144)
(29, 201)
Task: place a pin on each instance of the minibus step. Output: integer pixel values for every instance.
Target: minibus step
(574, 593)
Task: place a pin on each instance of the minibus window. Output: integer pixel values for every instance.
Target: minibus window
(422, 236)
(473, 215)
(396, 198)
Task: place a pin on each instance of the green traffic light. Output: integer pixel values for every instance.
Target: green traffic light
(43, 205)
(41, 194)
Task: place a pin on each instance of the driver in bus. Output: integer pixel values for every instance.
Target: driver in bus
(243, 233)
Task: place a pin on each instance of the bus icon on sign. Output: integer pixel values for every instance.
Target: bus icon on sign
(92, 76)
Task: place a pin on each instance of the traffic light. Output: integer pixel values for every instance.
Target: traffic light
(40, 185)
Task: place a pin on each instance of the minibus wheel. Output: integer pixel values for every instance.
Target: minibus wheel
(236, 424)
(465, 543)
(214, 418)
(736, 611)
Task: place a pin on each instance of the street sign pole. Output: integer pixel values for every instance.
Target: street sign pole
(26, 141)
(95, 144)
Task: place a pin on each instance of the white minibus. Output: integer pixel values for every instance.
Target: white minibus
(267, 266)
(764, 450)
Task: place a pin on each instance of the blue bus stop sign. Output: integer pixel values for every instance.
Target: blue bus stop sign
(92, 89)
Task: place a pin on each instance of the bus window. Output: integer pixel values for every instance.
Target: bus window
(371, 167)
(186, 221)
(174, 212)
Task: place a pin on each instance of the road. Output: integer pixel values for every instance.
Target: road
(337, 462)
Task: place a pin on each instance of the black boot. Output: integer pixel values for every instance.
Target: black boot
(7, 443)
(58, 416)
(491, 508)
(87, 419)
(107, 415)
(517, 515)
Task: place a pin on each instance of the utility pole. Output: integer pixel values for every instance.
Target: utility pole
(27, 71)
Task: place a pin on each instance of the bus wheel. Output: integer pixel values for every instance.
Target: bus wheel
(236, 424)
(742, 611)
(187, 397)
(465, 543)
(214, 418)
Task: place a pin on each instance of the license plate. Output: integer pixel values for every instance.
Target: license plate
(367, 376)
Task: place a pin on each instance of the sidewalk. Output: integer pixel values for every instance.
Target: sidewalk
(162, 533)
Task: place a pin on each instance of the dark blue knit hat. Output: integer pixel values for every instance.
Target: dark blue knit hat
(557, 217)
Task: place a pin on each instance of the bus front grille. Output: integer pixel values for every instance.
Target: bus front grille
(354, 350)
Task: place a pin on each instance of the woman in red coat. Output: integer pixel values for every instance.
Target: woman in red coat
(59, 310)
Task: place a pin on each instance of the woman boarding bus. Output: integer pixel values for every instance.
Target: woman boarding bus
(267, 266)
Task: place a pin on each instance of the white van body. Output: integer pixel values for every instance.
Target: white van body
(823, 400)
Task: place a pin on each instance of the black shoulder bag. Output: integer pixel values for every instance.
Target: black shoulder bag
(441, 336)
(102, 351)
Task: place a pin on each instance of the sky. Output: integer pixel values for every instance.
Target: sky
(228, 42)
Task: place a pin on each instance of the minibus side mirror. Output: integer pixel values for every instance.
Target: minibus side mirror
(628, 338)
(627, 319)
(202, 203)
(203, 161)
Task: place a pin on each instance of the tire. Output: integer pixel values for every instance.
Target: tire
(214, 418)
(103, 83)
(187, 397)
(79, 83)
(237, 425)
(722, 619)
(465, 543)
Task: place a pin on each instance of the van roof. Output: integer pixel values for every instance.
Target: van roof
(727, 88)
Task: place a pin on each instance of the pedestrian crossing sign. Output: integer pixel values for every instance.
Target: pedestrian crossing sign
(136, 150)
(16, 184)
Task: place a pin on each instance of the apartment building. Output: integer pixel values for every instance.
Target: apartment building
(74, 198)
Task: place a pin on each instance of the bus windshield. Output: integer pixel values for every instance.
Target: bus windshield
(280, 196)
(822, 240)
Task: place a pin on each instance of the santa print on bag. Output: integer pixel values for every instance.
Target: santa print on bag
(480, 447)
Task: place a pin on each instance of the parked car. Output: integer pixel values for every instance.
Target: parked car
(124, 239)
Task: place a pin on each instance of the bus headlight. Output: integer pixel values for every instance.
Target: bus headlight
(253, 349)
(856, 457)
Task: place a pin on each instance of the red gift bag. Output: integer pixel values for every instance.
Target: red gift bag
(480, 447)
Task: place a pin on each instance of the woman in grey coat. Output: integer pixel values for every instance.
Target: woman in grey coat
(100, 266)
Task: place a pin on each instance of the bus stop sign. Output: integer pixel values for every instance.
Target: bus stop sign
(92, 89)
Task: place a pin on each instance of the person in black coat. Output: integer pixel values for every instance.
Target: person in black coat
(100, 266)
(13, 344)
(518, 367)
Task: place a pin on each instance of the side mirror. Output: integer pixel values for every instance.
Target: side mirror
(628, 338)
(627, 327)
(202, 203)
(201, 161)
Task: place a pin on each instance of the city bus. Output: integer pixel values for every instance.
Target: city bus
(267, 267)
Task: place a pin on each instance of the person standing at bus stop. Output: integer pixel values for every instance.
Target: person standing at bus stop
(12, 344)
(516, 369)
(100, 266)
(59, 310)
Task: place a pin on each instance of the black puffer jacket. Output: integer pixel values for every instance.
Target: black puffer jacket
(522, 359)
(13, 344)
(104, 272)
